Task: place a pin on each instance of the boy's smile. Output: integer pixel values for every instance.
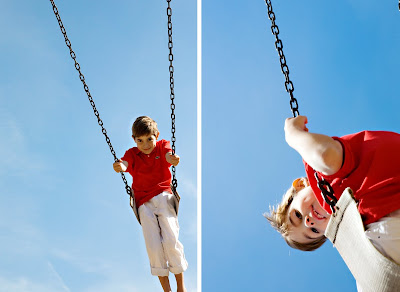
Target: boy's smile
(307, 220)
(146, 143)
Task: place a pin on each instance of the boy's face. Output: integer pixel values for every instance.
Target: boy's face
(146, 143)
(306, 218)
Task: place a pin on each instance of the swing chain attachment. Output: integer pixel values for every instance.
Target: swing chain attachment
(86, 88)
(171, 86)
(284, 67)
(327, 192)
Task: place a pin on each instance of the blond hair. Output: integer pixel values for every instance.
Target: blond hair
(144, 125)
(277, 217)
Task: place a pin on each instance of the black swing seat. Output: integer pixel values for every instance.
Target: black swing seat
(177, 198)
(372, 271)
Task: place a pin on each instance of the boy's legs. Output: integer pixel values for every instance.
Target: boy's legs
(161, 230)
(165, 283)
(153, 240)
(169, 226)
(180, 283)
(173, 248)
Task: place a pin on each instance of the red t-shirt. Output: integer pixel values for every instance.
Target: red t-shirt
(150, 173)
(371, 168)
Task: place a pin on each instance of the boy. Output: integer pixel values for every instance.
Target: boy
(368, 162)
(148, 164)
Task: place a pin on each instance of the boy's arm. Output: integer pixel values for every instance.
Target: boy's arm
(321, 152)
(120, 166)
(172, 158)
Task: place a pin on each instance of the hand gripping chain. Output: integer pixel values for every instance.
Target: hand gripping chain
(284, 67)
(171, 86)
(323, 185)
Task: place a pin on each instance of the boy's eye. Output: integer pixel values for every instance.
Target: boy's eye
(314, 230)
(298, 214)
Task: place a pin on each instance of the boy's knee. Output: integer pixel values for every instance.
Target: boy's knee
(170, 243)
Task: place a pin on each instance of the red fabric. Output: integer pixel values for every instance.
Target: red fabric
(150, 173)
(371, 169)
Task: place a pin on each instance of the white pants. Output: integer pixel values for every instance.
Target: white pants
(161, 230)
(385, 236)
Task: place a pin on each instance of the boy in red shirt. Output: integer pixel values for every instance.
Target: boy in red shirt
(368, 162)
(148, 164)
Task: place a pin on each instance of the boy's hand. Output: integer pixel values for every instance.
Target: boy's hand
(321, 152)
(172, 158)
(120, 166)
(294, 126)
(297, 123)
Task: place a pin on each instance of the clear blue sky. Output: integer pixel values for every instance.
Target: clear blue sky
(65, 220)
(344, 62)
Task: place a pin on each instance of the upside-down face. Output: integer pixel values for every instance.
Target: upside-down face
(306, 219)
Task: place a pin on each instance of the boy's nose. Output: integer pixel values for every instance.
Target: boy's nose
(308, 221)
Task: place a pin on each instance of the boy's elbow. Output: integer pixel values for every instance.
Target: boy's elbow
(332, 158)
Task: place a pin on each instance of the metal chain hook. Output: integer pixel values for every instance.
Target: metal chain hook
(171, 86)
(284, 67)
(327, 192)
(86, 88)
(323, 185)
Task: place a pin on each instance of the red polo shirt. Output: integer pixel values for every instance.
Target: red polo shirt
(150, 172)
(371, 168)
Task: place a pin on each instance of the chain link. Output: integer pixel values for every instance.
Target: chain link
(86, 88)
(323, 185)
(171, 86)
(327, 192)
(284, 67)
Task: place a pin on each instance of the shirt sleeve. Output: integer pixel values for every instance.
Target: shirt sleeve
(349, 159)
(129, 157)
(165, 148)
(334, 179)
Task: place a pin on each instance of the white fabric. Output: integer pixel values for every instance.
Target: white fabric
(161, 230)
(373, 271)
(385, 236)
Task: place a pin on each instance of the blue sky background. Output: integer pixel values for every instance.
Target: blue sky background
(344, 62)
(65, 220)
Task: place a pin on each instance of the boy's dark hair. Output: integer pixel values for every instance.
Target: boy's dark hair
(144, 125)
(278, 218)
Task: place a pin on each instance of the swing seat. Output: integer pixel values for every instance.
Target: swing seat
(177, 198)
(372, 271)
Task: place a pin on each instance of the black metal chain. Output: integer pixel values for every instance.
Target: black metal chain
(171, 86)
(323, 185)
(86, 88)
(284, 67)
(327, 192)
